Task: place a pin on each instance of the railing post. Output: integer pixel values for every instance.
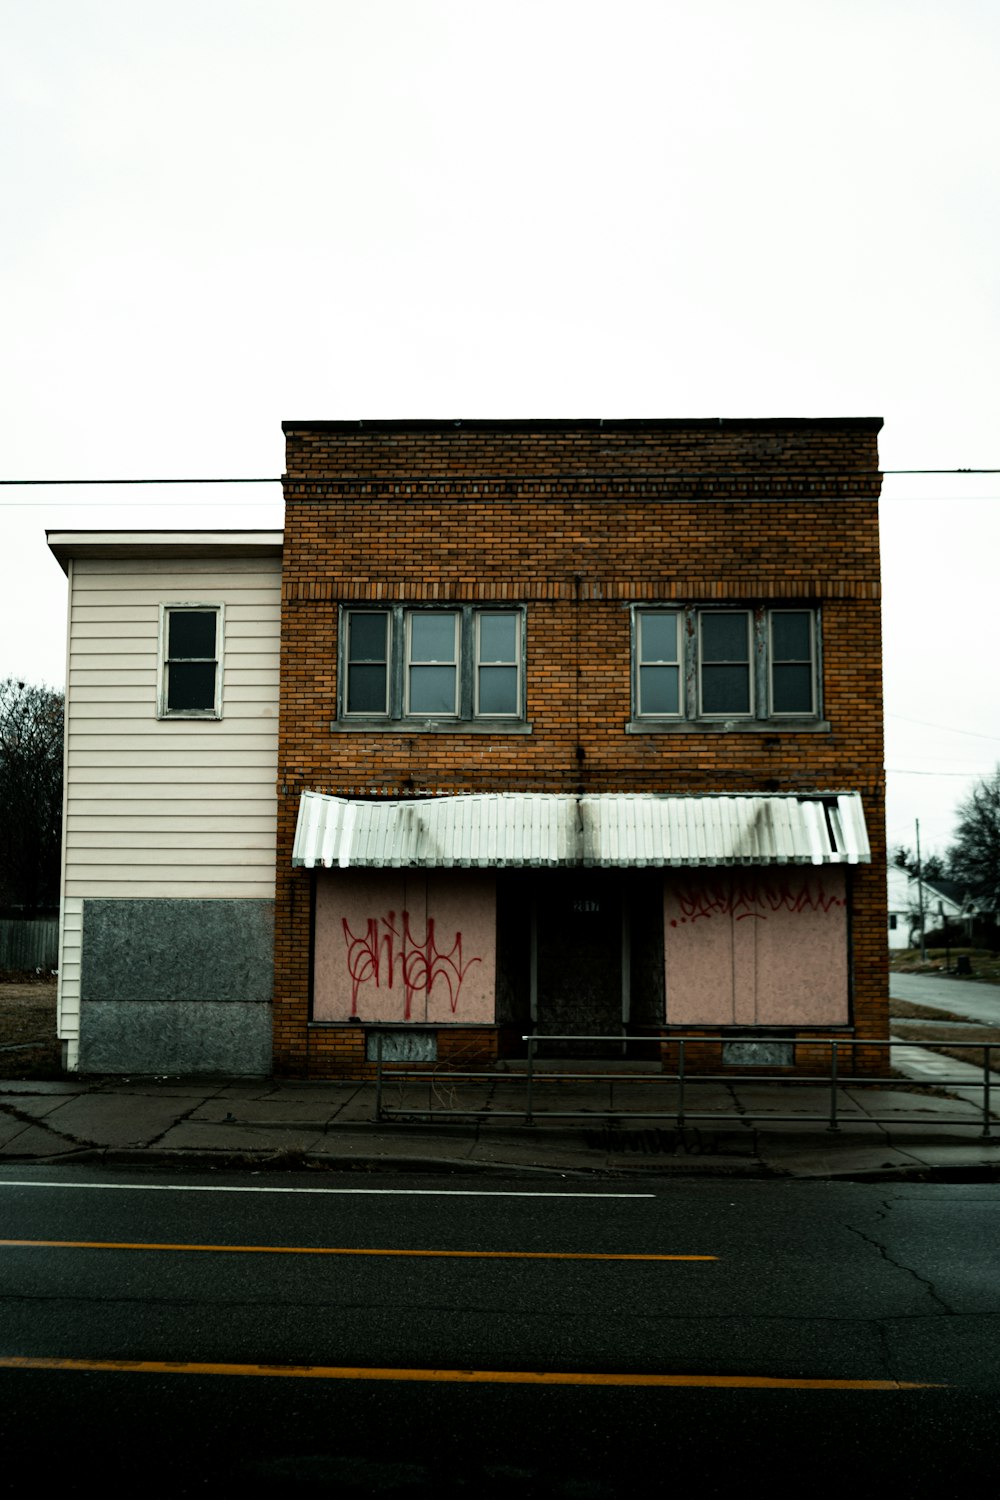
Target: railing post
(833, 1087)
(680, 1084)
(528, 1120)
(986, 1089)
(378, 1076)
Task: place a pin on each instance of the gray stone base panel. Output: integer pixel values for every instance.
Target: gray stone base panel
(175, 1037)
(163, 948)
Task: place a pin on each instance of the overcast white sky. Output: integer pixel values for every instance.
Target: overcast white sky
(219, 214)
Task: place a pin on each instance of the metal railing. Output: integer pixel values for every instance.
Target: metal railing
(441, 1082)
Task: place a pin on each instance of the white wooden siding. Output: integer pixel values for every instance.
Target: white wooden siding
(68, 993)
(168, 807)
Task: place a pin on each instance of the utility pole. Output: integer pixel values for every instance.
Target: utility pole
(920, 899)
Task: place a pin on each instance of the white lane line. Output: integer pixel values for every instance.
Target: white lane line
(177, 1187)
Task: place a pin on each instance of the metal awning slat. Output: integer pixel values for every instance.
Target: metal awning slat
(610, 830)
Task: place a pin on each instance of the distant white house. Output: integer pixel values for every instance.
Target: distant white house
(170, 807)
(940, 905)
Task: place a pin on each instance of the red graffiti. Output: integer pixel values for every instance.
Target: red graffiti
(755, 900)
(388, 950)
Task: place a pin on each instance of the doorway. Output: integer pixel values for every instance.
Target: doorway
(580, 960)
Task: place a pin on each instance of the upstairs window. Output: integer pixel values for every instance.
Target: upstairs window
(725, 687)
(498, 663)
(658, 667)
(431, 666)
(793, 661)
(367, 661)
(710, 665)
(432, 663)
(190, 661)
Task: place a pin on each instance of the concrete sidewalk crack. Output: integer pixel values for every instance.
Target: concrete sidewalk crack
(178, 1119)
(41, 1123)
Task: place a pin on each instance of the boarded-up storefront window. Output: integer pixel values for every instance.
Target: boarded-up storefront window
(762, 947)
(395, 945)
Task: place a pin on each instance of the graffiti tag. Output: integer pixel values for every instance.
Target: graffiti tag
(757, 901)
(388, 952)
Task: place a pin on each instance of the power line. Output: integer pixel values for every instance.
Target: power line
(904, 771)
(950, 728)
(17, 482)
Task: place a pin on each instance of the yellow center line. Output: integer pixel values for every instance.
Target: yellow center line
(462, 1377)
(342, 1250)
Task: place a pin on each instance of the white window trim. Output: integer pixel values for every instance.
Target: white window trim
(516, 663)
(166, 609)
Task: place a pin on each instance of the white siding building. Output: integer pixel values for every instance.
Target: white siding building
(166, 953)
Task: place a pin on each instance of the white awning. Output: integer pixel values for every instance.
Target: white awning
(614, 830)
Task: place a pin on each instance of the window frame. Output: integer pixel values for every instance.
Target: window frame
(163, 710)
(793, 713)
(479, 664)
(639, 661)
(348, 661)
(398, 714)
(760, 666)
(412, 664)
(748, 661)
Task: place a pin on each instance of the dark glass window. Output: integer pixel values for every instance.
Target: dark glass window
(368, 662)
(792, 675)
(724, 643)
(192, 664)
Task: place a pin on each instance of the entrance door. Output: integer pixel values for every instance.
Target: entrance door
(578, 924)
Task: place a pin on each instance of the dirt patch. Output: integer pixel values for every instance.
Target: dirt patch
(28, 1044)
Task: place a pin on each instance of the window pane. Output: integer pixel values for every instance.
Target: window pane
(366, 689)
(657, 637)
(498, 637)
(498, 690)
(791, 636)
(432, 637)
(432, 690)
(792, 689)
(659, 690)
(191, 685)
(191, 632)
(724, 637)
(725, 690)
(368, 636)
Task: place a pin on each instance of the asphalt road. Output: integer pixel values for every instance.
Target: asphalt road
(961, 997)
(460, 1336)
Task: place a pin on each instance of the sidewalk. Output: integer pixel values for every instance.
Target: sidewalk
(894, 1133)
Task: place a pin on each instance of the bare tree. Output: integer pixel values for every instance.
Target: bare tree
(31, 777)
(974, 857)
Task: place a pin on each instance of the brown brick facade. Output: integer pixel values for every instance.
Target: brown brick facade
(576, 522)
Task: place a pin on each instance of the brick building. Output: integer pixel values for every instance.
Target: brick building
(580, 732)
